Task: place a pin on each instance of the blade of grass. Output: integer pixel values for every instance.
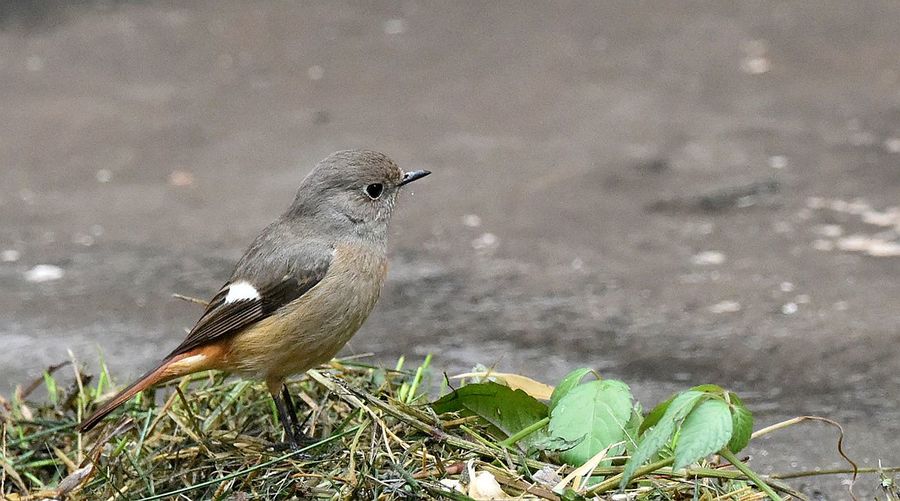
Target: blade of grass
(252, 469)
(835, 471)
(728, 455)
(414, 387)
(229, 400)
(613, 481)
(524, 432)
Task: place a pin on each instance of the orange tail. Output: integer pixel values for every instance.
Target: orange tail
(179, 365)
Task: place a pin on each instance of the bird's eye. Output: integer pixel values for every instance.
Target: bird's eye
(374, 190)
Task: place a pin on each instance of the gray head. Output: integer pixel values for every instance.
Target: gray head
(352, 190)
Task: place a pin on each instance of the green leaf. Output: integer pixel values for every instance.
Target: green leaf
(741, 424)
(709, 388)
(650, 443)
(50, 383)
(676, 409)
(571, 380)
(632, 429)
(705, 430)
(654, 415)
(658, 411)
(599, 411)
(556, 444)
(509, 410)
(571, 495)
(741, 418)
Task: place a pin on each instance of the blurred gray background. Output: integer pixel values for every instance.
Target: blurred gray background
(671, 193)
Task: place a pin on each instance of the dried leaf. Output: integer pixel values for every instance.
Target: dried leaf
(75, 479)
(534, 388)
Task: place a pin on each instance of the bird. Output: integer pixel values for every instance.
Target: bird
(300, 291)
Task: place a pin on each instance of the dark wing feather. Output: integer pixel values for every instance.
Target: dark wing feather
(223, 319)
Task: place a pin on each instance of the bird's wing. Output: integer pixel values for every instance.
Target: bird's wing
(240, 303)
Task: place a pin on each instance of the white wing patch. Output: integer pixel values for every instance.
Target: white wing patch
(241, 291)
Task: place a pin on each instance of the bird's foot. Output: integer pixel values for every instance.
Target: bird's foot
(291, 446)
(295, 441)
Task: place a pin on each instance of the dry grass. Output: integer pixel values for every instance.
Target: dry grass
(209, 437)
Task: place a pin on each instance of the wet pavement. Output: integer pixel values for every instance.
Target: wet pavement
(671, 194)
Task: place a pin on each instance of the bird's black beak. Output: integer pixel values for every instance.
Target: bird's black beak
(412, 176)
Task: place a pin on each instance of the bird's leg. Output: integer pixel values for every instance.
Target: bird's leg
(285, 418)
(289, 404)
(299, 435)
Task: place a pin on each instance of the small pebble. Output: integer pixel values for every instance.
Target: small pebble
(755, 65)
(483, 484)
(756, 60)
(104, 176)
(10, 256)
(44, 273)
(708, 258)
(485, 241)
(872, 246)
(880, 248)
(892, 144)
(394, 26)
(789, 308)
(181, 178)
(472, 220)
(854, 243)
(725, 307)
(881, 218)
(315, 72)
(778, 161)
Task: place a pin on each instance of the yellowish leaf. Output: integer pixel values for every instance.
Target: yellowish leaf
(534, 388)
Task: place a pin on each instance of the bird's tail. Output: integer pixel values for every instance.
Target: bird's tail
(170, 368)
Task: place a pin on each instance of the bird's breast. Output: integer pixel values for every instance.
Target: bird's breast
(313, 328)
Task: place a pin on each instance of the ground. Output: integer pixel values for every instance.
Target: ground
(669, 193)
